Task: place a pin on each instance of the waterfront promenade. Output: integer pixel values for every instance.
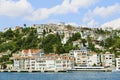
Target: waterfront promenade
(91, 69)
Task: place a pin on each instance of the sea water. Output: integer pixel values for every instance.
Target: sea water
(61, 76)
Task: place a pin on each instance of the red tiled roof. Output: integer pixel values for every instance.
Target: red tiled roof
(33, 51)
(93, 53)
(22, 57)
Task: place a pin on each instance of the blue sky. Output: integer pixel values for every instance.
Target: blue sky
(92, 13)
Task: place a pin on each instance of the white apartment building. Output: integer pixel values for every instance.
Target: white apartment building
(36, 60)
(93, 59)
(108, 59)
(80, 57)
(52, 62)
(26, 59)
(117, 63)
(85, 57)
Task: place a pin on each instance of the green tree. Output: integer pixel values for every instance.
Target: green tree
(74, 37)
(50, 43)
(84, 41)
(9, 34)
(69, 27)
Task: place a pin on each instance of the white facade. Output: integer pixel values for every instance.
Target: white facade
(16, 64)
(26, 59)
(50, 62)
(40, 29)
(92, 59)
(64, 40)
(108, 60)
(118, 63)
(85, 57)
(56, 62)
(80, 57)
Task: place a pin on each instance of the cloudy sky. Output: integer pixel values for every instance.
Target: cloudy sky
(90, 13)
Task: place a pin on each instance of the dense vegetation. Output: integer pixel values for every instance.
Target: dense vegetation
(24, 38)
(27, 38)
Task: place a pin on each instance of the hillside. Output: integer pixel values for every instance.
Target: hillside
(52, 41)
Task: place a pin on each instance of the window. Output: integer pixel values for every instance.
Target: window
(44, 64)
(42, 61)
(33, 64)
(58, 66)
(84, 61)
(78, 58)
(83, 53)
(58, 61)
(33, 68)
(118, 62)
(64, 61)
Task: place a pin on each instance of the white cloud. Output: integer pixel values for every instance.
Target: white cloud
(103, 12)
(15, 8)
(68, 6)
(92, 23)
(115, 24)
(82, 3)
(107, 11)
(72, 23)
